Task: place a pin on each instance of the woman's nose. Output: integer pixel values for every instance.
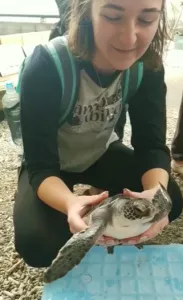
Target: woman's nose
(128, 36)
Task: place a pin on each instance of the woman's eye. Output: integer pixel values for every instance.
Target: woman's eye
(112, 19)
(145, 22)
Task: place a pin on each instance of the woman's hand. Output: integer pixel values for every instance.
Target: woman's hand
(79, 207)
(155, 229)
(77, 210)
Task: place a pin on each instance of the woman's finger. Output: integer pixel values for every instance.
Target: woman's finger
(88, 201)
(151, 233)
(156, 228)
(130, 241)
(93, 200)
(107, 241)
(76, 223)
(132, 194)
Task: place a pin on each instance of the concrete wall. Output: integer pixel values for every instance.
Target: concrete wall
(27, 41)
(23, 27)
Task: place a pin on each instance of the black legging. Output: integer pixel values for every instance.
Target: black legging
(41, 231)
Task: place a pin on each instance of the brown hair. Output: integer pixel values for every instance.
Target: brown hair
(81, 38)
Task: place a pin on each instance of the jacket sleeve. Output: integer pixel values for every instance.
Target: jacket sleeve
(147, 111)
(40, 103)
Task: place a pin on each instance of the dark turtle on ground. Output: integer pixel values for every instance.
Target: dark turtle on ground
(118, 217)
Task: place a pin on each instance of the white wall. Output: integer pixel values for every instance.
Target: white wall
(20, 27)
(28, 7)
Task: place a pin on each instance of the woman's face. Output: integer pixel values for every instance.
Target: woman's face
(123, 31)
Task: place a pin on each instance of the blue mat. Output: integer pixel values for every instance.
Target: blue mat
(153, 273)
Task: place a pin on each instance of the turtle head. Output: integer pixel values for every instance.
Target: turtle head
(149, 210)
(128, 211)
(140, 210)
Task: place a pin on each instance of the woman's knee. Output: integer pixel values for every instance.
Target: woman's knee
(177, 199)
(36, 249)
(39, 230)
(38, 239)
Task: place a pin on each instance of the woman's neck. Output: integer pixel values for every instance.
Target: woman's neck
(102, 66)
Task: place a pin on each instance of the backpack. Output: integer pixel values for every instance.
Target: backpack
(69, 74)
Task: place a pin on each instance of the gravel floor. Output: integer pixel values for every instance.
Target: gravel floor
(17, 281)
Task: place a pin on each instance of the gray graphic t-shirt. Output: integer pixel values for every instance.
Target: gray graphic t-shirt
(86, 137)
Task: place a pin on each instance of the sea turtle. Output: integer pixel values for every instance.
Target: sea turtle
(118, 217)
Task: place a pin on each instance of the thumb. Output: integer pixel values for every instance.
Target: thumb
(132, 194)
(76, 223)
(96, 198)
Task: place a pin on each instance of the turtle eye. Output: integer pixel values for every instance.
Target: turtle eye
(141, 211)
(138, 211)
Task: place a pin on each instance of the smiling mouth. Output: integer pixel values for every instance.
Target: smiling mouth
(124, 51)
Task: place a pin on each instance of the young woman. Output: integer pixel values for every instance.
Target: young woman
(108, 37)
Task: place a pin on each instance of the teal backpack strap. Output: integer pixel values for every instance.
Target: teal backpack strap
(68, 72)
(131, 80)
(18, 85)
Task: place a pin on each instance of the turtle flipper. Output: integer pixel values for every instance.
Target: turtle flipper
(110, 249)
(73, 251)
(139, 246)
